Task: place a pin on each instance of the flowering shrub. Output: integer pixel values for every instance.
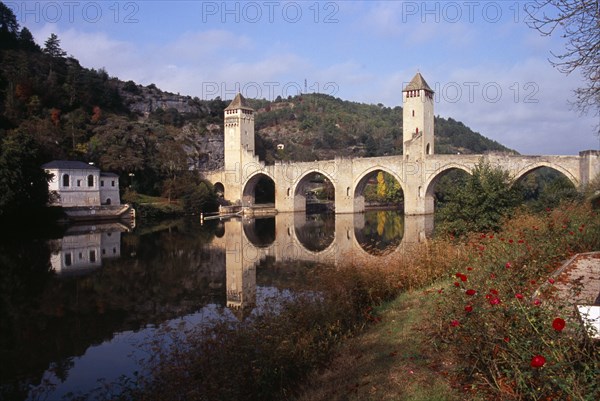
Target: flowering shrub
(510, 339)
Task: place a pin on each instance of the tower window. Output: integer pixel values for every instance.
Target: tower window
(413, 113)
(65, 180)
(90, 180)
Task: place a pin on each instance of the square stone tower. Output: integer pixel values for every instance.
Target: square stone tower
(417, 126)
(239, 133)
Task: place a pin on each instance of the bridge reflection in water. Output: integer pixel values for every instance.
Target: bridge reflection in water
(291, 237)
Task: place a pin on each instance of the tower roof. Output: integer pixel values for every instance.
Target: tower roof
(417, 83)
(239, 102)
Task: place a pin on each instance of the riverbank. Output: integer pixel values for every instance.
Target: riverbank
(496, 325)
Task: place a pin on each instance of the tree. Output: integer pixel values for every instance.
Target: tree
(23, 184)
(52, 47)
(26, 41)
(9, 27)
(580, 23)
(479, 202)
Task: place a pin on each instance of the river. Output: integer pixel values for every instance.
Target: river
(81, 309)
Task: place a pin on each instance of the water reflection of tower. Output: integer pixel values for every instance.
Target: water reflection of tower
(240, 264)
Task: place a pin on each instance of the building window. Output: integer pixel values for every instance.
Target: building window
(101, 183)
(65, 180)
(413, 113)
(90, 180)
(92, 256)
(68, 260)
(112, 183)
(78, 183)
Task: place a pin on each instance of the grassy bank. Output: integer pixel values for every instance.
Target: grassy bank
(448, 319)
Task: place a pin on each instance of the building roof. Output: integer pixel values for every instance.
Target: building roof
(103, 174)
(239, 102)
(69, 164)
(417, 83)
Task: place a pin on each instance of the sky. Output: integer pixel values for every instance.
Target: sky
(488, 68)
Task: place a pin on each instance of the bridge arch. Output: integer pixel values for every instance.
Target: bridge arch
(264, 184)
(441, 172)
(540, 164)
(362, 180)
(302, 186)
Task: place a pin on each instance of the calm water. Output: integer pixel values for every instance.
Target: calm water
(82, 308)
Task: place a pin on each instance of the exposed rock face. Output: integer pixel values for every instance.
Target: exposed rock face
(204, 146)
(146, 99)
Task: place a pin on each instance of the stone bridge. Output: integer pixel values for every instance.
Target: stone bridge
(417, 170)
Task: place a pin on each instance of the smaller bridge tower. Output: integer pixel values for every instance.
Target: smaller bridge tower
(239, 132)
(417, 114)
(239, 146)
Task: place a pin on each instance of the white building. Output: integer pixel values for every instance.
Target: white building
(77, 183)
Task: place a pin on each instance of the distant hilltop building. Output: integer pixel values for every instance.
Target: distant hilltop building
(76, 184)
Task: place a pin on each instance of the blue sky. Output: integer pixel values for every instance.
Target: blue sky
(488, 69)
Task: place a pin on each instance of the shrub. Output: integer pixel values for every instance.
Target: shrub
(507, 338)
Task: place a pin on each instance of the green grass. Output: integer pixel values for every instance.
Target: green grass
(391, 360)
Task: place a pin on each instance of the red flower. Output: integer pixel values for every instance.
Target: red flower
(469, 268)
(506, 339)
(536, 302)
(521, 241)
(510, 241)
(519, 296)
(463, 277)
(494, 301)
(558, 324)
(538, 361)
(551, 280)
(456, 284)
(508, 265)
(493, 291)
(455, 323)
(471, 291)
(468, 308)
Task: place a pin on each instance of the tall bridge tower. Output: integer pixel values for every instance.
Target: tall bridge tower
(239, 132)
(418, 144)
(238, 144)
(417, 115)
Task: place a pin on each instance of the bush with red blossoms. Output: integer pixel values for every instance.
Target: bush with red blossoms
(516, 338)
